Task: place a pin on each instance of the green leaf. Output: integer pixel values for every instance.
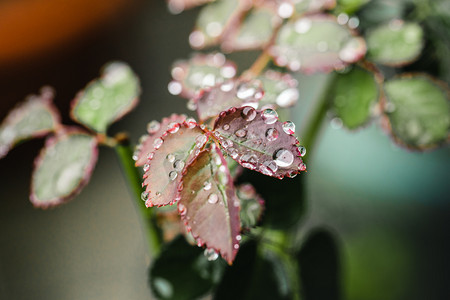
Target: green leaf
(311, 6)
(252, 205)
(254, 32)
(418, 110)
(63, 168)
(350, 6)
(208, 204)
(107, 99)
(212, 21)
(354, 95)
(319, 266)
(396, 43)
(35, 117)
(183, 272)
(316, 44)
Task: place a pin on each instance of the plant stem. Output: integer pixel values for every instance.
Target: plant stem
(133, 177)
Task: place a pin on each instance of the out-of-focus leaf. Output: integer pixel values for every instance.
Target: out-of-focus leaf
(172, 152)
(233, 93)
(107, 99)
(319, 266)
(354, 95)
(208, 204)
(155, 130)
(63, 168)
(316, 44)
(397, 43)
(252, 205)
(35, 117)
(178, 6)
(213, 20)
(253, 276)
(418, 110)
(258, 141)
(312, 6)
(182, 272)
(200, 71)
(255, 31)
(280, 89)
(350, 6)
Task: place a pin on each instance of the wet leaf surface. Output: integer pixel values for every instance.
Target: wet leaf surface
(35, 117)
(209, 206)
(63, 168)
(418, 110)
(280, 89)
(173, 151)
(258, 141)
(107, 99)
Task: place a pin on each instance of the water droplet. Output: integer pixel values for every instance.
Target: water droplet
(248, 113)
(200, 140)
(233, 153)
(238, 237)
(292, 174)
(191, 105)
(353, 22)
(148, 203)
(287, 97)
(191, 123)
(301, 151)
(178, 165)
(174, 87)
(173, 175)
(144, 196)
(173, 127)
(214, 29)
(336, 123)
(226, 127)
(271, 134)
(197, 39)
(269, 167)
(207, 185)
(182, 210)
(227, 143)
(283, 157)
(150, 155)
(146, 167)
(228, 72)
(170, 157)
(342, 18)
(246, 90)
(157, 194)
(208, 80)
(236, 246)
(153, 126)
(285, 10)
(213, 198)
(269, 116)
(241, 133)
(157, 143)
(136, 153)
(289, 127)
(303, 25)
(302, 167)
(211, 254)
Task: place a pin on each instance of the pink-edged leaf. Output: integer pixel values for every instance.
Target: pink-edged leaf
(316, 43)
(258, 141)
(172, 152)
(255, 31)
(155, 130)
(63, 168)
(233, 93)
(178, 6)
(252, 205)
(209, 206)
(105, 100)
(313, 6)
(35, 117)
(200, 71)
(280, 89)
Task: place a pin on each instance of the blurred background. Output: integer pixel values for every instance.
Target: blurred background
(388, 208)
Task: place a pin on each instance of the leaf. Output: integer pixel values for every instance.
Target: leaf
(63, 168)
(200, 71)
(213, 20)
(155, 130)
(280, 89)
(350, 6)
(183, 272)
(312, 6)
(316, 43)
(107, 99)
(354, 95)
(209, 206)
(255, 31)
(172, 152)
(35, 117)
(319, 266)
(178, 6)
(252, 205)
(396, 43)
(233, 93)
(254, 276)
(258, 141)
(418, 111)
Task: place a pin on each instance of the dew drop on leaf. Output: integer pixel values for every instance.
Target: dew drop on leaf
(182, 210)
(301, 151)
(153, 126)
(146, 167)
(173, 127)
(248, 113)
(226, 126)
(213, 198)
(211, 254)
(287, 97)
(178, 165)
(144, 196)
(302, 167)
(207, 185)
(157, 143)
(289, 127)
(170, 157)
(269, 116)
(173, 175)
(271, 134)
(283, 157)
(241, 133)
